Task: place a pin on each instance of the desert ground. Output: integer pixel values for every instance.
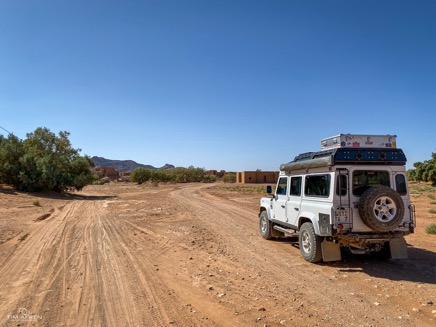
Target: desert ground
(122, 254)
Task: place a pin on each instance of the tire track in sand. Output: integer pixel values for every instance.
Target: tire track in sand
(76, 269)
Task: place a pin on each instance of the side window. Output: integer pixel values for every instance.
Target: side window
(282, 186)
(295, 186)
(341, 185)
(400, 182)
(317, 185)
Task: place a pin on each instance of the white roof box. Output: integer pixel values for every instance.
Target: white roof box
(359, 141)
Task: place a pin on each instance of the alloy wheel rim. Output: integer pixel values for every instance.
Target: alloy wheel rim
(305, 242)
(384, 209)
(263, 225)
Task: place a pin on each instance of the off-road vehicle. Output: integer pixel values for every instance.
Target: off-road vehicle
(353, 193)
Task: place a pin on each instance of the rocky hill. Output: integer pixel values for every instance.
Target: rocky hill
(124, 165)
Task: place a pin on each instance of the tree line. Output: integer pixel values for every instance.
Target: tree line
(43, 161)
(177, 175)
(424, 171)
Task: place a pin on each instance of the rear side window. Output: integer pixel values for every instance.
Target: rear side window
(341, 185)
(317, 185)
(295, 186)
(400, 183)
(365, 179)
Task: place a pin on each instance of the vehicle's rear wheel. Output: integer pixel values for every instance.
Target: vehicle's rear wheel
(310, 243)
(265, 226)
(381, 208)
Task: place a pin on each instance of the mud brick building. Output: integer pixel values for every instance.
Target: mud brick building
(257, 177)
(103, 171)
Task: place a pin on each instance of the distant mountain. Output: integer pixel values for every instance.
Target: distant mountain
(124, 165)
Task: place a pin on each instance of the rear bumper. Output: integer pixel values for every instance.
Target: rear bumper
(372, 237)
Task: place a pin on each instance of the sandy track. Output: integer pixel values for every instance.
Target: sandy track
(191, 255)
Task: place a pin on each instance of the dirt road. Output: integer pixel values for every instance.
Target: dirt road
(181, 255)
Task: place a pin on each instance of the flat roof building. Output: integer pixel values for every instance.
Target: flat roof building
(257, 177)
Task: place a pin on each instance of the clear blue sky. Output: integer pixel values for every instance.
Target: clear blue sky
(234, 85)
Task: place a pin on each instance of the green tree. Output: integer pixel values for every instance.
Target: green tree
(158, 176)
(11, 150)
(419, 170)
(429, 174)
(140, 175)
(424, 171)
(411, 175)
(80, 172)
(44, 162)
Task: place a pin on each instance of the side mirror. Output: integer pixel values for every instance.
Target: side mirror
(269, 189)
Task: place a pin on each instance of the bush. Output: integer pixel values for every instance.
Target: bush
(209, 179)
(229, 178)
(431, 229)
(140, 175)
(159, 176)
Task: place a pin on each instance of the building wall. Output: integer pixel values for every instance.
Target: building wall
(103, 171)
(257, 177)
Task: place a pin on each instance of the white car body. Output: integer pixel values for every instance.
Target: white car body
(325, 190)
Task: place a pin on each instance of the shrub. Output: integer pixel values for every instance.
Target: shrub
(101, 181)
(140, 175)
(431, 229)
(158, 176)
(209, 179)
(229, 178)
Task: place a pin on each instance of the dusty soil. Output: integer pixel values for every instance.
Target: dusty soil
(123, 255)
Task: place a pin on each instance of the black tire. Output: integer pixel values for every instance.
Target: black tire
(265, 226)
(381, 208)
(310, 243)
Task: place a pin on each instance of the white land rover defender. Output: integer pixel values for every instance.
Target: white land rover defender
(351, 194)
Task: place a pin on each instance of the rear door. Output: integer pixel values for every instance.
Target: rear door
(362, 179)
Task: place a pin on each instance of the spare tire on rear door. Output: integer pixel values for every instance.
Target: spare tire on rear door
(381, 208)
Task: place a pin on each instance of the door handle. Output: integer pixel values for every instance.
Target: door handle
(297, 209)
(282, 205)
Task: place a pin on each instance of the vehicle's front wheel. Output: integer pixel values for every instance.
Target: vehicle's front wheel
(265, 226)
(310, 243)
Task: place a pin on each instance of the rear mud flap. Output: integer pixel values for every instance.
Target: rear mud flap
(398, 248)
(330, 251)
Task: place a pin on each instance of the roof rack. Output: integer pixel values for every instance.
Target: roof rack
(355, 156)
